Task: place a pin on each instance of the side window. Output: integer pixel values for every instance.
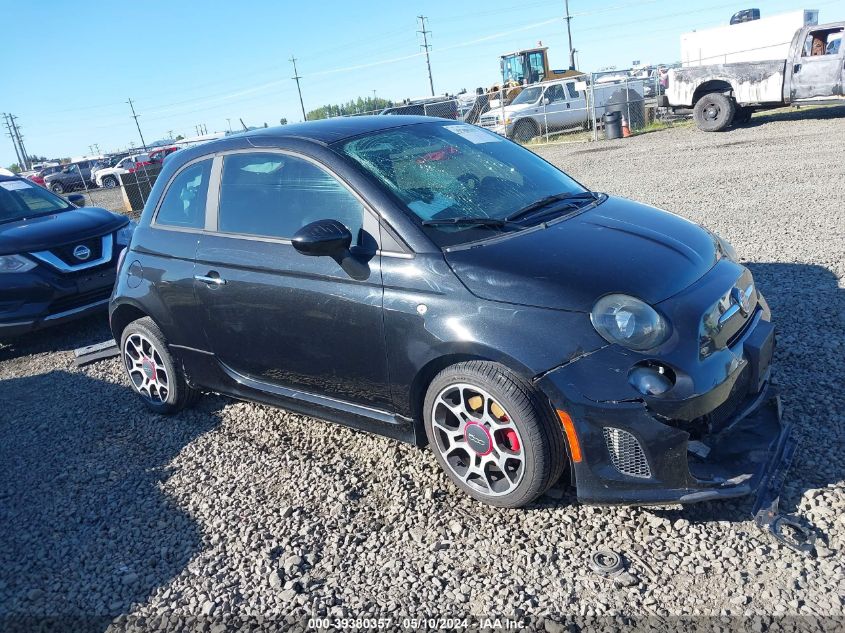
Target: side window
(555, 93)
(184, 200)
(275, 195)
(825, 42)
(570, 88)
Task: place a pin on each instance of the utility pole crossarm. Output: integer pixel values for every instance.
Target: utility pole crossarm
(426, 46)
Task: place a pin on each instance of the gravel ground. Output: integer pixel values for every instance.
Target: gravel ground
(235, 509)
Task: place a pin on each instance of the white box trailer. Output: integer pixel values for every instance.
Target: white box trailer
(757, 40)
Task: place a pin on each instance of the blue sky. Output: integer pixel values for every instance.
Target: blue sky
(69, 66)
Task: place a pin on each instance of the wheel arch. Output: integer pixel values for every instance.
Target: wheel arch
(722, 85)
(446, 358)
(122, 315)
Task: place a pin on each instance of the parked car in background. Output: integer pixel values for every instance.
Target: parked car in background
(57, 260)
(70, 177)
(445, 107)
(436, 283)
(39, 176)
(109, 177)
(158, 155)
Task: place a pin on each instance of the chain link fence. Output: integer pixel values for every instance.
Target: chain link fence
(571, 109)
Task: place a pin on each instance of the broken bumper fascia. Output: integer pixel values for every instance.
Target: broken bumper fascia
(749, 453)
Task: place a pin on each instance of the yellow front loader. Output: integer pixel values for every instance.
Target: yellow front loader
(526, 67)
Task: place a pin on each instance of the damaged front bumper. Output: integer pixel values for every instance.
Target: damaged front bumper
(728, 441)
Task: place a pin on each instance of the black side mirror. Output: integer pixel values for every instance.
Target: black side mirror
(323, 237)
(76, 199)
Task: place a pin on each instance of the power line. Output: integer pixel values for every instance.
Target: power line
(138, 125)
(426, 46)
(298, 88)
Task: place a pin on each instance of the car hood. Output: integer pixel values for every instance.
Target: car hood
(47, 231)
(618, 246)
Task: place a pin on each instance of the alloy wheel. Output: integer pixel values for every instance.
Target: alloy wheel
(146, 368)
(477, 439)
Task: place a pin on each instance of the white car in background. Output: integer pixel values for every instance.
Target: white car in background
(110, 176)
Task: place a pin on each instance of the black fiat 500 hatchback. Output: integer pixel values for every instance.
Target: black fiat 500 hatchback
(436, 283)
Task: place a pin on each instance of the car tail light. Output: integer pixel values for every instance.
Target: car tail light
(569, 428)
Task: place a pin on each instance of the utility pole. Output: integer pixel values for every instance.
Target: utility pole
(298, 89)
(17, 132)
(135, 116)
(97, 147)
(569, 32)
(14, 140)
(229, 123)
(170, 134)
(426, 46)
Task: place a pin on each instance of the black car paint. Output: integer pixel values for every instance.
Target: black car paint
(46, 296)
(43, 232)
(368, 347)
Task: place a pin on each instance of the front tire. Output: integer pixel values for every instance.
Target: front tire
(152, 371)
(492, 435)
(714, 112)
(109, 182)
(524, 131)
(57, 187)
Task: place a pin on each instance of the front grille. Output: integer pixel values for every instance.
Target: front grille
(626, 453)
(65, 253)
(78, 300)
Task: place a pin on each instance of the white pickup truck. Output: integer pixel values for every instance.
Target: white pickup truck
(722, 94)
(558, 105)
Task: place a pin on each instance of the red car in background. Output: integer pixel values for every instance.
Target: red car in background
(38, 177)
(154, 157)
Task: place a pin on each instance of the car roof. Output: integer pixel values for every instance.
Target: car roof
(327, 131)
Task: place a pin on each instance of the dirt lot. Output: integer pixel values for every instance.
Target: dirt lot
(234, 509)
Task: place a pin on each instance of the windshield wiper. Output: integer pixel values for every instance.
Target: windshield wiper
(469, 221)
(549, 200)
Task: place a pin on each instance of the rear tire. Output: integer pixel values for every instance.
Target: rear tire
(152, 371)
(492, 434)
(714, 112)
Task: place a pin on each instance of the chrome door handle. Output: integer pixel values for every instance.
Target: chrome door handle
(214, 281)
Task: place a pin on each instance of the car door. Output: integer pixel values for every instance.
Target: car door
(819, 70)
(554, 106)
(275, 317)
(576, 106)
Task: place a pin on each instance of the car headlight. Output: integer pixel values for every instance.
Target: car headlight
(628, 321)
(124, 235)
(725, 247)
(15, 264)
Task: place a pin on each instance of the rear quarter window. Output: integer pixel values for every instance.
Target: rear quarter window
(184, 200)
